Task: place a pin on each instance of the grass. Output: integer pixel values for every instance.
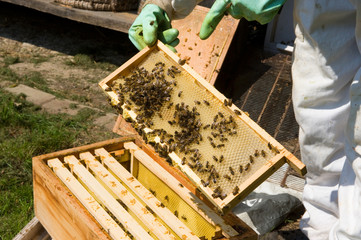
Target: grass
(87, 62)
(37, 59)
(25, 131)
(32, 79)
(8, 60)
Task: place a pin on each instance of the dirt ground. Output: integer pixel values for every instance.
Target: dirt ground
(68, 59)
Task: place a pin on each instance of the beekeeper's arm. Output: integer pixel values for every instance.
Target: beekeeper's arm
(154, 22)
(261, 11)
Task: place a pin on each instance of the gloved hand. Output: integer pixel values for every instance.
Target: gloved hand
(152, 24)
(261, 11)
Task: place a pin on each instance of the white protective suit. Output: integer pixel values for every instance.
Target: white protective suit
(325, 72)
(327, 97)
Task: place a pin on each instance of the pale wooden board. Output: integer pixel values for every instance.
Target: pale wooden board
(206, 56)
(184, 193)
(32, 231)
(119, 21)
(106, 198)
(173, 222)
(129, 200)
(87, 200)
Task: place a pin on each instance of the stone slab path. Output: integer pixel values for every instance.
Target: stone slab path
(53, 105)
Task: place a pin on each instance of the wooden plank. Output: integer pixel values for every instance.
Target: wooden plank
(32, 231)
(126, 197)
(184, 193)
(254, 181)
(57, 209)
(87, 200)
(206, 56)
(111, 144)
(167, 216)
(106, 198)
(195, 179)
(119, 21)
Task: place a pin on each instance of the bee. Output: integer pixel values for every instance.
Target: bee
(218, 189)
(221, 114)
(225, 102)
(206, 102)
(237, 112)
(214, 180)
(231, 170)
(230, 102)
(184, 217)
(214, 134)
(176, 213)
(166, 198)
(181, 61)
(191, 166)
(209, 138)
(216, 195)
(207, 165)
(181, 185)
(215, 158)
(213, 144)
(215, 118)
(223, 139)
(223, 196)
(235, 190)
(247, 167)
(269, 146)
(251, 160)
(220, 145)
(221, 158)
(170, 105)
(108, 89)
(153, 192)
(227, 177)
(180, 93)
(256, 153)
(197, 102)
(170, 122)
(263, 153)
(240, 168)
(160, 115)
(184, 160)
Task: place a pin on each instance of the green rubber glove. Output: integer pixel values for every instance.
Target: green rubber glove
(261, 11)
(152, 24)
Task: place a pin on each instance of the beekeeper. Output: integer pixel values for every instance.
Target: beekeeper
(326, 96)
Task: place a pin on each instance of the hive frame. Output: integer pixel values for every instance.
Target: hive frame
(58, 209)
(223, 205)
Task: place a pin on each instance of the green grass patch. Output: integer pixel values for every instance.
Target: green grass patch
(86, 61)
(25, 132)
(37, 59)
(32, 79)
(6, 74)
(8, 60)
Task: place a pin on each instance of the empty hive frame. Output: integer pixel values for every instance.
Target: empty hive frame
(125, 191)
(240, 154)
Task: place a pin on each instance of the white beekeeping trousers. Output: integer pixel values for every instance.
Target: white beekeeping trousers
(327, 98)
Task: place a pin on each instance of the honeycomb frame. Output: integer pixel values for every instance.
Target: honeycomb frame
(267, 154)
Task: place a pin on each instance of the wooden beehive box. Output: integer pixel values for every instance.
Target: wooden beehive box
(227, 155)
(117, 189)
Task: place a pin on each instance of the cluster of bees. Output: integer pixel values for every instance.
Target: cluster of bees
(148, 92)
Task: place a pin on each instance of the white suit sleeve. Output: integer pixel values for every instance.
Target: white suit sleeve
(176, 9)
